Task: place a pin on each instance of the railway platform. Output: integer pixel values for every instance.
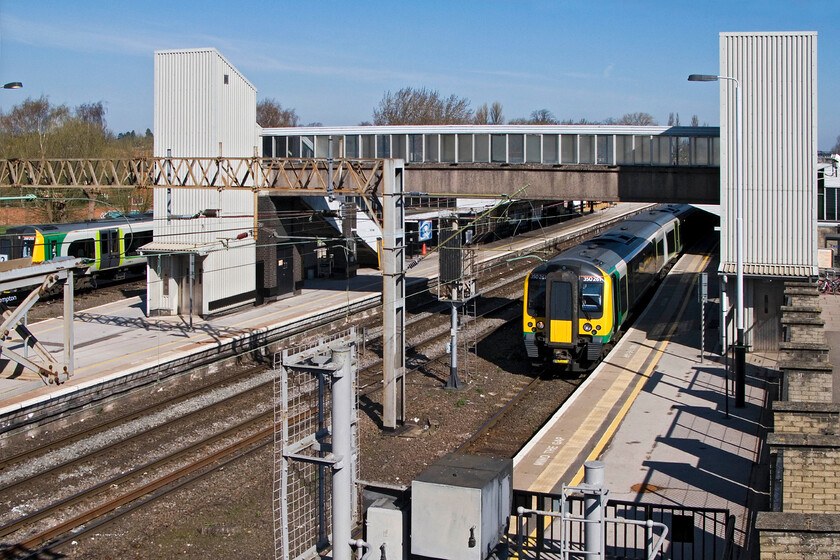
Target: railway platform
(117, 344)
(657, 417)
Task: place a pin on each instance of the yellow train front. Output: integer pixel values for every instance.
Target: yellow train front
(576, 304)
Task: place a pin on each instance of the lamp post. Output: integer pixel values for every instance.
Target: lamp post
(740, 348)
(13, 85)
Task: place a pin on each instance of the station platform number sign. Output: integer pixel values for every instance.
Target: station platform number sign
(425, 231)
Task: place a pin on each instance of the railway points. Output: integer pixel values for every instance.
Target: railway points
(117, 344)
(658, 420)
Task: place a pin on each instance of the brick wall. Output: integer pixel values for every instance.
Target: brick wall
(806, 424)
(806, 418)
(789, 537)
(811, 472)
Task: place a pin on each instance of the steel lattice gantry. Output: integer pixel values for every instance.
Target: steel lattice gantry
(379, 183)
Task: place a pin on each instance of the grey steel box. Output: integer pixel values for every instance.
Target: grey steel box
(460, 507)
(385, 525)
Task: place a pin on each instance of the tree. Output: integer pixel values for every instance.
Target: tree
(836, 148)
(496, 116)
(489, 115)
(37, 129)
(482, 115)
(695, 120)
(421, 106)
(270, 114)
(542, 116)
(27, 128)
(637, 119)
(673, 119)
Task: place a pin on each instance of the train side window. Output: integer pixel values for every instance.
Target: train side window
(672, 241)
(53, 249)
(82, 249)
(5, 250)
(617, 308)
(660, 251)
(135, 241)
(625, 294)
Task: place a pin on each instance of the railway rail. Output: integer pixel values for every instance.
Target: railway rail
(94, 517)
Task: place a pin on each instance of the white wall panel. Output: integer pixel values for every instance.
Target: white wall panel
(778, 77)
(205, 108)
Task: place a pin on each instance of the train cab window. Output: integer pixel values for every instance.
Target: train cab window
(536, 295)
(28, 246)
(592, 297)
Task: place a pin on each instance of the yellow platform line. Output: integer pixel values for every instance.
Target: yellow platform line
(660, 351)
(613, 427)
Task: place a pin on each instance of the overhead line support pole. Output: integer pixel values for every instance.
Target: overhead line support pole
(393, 294)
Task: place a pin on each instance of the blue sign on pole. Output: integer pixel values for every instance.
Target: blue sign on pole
(425, 230)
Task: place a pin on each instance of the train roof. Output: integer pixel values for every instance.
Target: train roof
(76, 226)
(611, 247)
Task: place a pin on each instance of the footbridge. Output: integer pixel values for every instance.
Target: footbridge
(565, 162)
(605, 163)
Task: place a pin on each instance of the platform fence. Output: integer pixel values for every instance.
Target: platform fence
(693, 533)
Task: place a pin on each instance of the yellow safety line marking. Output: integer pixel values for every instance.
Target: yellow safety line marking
(613, 427)
(589, 427)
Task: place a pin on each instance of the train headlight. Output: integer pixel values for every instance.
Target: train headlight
(540, 325)
(587, 327)
(530, 324)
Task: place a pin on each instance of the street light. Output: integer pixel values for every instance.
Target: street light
(740, 348)
(13, 85)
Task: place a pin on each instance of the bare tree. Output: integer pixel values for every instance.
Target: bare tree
(270, 114)
(93, 115)
(28, 126)
(482, 115)
(637, 119)
(421, 106)
(673, 119)
(695, 121)
(496, 116)
(489, 115)
(542, 116)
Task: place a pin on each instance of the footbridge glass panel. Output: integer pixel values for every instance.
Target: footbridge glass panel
(504, 144)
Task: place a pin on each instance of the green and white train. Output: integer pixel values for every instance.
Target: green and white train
(108, 247)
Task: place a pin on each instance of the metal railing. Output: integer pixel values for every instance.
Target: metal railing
(692, 533)
(299, 175)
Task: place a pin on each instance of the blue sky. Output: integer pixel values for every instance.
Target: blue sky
(333, 61)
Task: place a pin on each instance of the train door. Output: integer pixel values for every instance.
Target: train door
(562, 307)
(109, 248)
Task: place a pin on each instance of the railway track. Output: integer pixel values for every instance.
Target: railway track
(482, 442)
(80, 508)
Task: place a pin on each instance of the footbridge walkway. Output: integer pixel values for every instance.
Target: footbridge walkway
(576, 162)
